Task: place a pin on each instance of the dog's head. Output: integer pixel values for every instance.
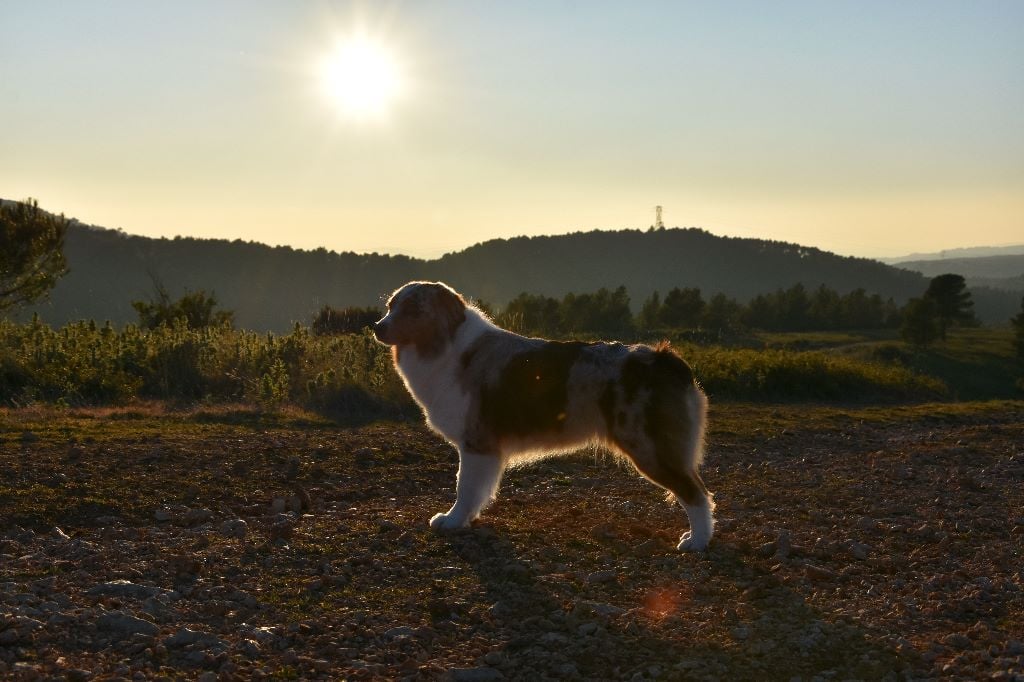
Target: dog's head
(422, 314)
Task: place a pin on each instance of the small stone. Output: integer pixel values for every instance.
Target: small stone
(782, 545)
(493, 658)
(278, 505)
(399, 631)
(588, 628)
(234, 528)
(186, 636)
(597, 608)
(125, 588)
(567, 670)
(57, 534)
(957, 641)
(197, 516)
(123, 624)
(819, 573)
(208, 676)
(475, 675)
(647, 548)
(295, 504)
(740, 632)
(1014, 647)
(601, 577)
(162, 514)
(858, 550)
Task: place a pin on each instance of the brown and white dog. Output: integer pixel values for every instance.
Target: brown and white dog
(502, 398)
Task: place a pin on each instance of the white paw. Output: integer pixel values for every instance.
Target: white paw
(447, 522)
(687, 543)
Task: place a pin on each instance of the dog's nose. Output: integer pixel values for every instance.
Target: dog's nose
(379, 329)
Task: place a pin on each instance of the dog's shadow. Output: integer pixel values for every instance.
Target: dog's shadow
(552, 626)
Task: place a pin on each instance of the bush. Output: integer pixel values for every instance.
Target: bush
(344, 321)
(351, 376)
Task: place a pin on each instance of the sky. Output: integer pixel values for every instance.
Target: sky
(860, 127)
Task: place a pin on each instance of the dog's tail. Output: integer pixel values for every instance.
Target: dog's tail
(688, 397)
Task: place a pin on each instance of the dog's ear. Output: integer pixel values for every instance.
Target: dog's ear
(452, 308)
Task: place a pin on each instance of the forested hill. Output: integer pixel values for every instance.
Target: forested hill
(271, 287)
(646, 261)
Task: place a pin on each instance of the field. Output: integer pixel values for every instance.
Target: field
(226, 542)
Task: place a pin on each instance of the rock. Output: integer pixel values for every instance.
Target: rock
(783, 545)
(585, 607)
(208, 676)
(121, 623)
(957, 641)
(867, 523)
(493, 658)
(234, 528)
(588, 628)
(399, 631)
(740, 632)
(295, 504)
(475, 675)
(858, 550)
(278, 505)
(819, 573)
(186, 636)
(196, 516)
(57, 534)
(125, 588)
(567, 670)
(598, 577)
(1014, 647)
(647, 548)
(162, 514)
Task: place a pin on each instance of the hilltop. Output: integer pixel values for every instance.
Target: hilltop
(270, 288)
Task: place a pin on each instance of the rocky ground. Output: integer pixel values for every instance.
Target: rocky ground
(852, 544)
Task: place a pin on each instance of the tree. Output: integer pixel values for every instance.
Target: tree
(1018, 327)
(920, 322)
(682, 308)
(722, 314)
(31, 252)
(648, 317)
(531, 314)
(196, 308)
(953, 303)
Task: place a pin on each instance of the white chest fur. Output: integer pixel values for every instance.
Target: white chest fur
(434, 382)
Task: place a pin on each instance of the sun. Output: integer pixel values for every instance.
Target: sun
(361, 76)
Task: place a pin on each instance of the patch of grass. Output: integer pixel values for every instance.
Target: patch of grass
(780, 375)
(975, 363)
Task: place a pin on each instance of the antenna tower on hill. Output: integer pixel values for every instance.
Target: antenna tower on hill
(659, 224)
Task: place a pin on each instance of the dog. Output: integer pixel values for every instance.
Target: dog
(503, 399)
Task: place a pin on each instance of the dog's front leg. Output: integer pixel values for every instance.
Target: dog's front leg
(476, 486)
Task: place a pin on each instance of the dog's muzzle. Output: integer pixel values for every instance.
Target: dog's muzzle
(380, 330)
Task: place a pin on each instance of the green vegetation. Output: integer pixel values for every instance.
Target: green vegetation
(350, 376)
(84, 363)
(196, 309)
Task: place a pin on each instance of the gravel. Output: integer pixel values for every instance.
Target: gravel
(849, 548)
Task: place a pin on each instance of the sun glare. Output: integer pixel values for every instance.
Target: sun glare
(362, 77)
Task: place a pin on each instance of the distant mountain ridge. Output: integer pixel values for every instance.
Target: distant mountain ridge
(955, 254)
(270, 288)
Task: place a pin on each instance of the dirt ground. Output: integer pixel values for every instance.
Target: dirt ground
(852, 543)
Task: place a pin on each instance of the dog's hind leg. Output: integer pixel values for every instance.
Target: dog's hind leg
(667, 450)
(687, 488)
(476, 486)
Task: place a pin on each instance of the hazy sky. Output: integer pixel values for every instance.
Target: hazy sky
(865, 128)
